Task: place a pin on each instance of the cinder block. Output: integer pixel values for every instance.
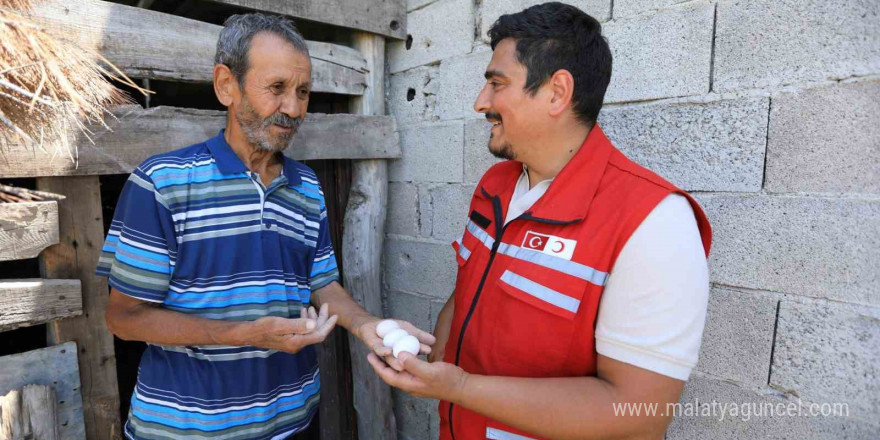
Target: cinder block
(439, 30)
(431, 152)
(623, 8)
(661, 55)
(450, 209)
(828, 352)
(825, 139)
(768, 43)
(408, 97)
(457, 84)
(760, 414)
(738, 337)
(412, 415)
(699, 146)
(817, 247)
(409, 307)
(403, 209)
(493, 9)
(427, 268)
(477, 158)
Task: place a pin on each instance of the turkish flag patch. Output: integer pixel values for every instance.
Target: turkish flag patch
(549, 244)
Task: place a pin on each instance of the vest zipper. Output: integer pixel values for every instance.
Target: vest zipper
(499, 232)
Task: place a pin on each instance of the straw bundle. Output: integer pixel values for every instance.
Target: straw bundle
(48, 86)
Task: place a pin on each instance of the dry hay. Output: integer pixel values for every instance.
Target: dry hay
(49, 87)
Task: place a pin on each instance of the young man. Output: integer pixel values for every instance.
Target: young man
(217, 252)
(582, 278)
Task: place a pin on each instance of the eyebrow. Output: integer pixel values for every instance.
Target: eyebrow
(492, 73)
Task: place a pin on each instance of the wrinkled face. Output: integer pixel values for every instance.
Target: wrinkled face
(512, 111)
(273, 101)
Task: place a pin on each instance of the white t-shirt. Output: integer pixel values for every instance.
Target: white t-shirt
(653, 308)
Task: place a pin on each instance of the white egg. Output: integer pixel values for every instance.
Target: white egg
(407, 343)
(386, 326)
(393, 336)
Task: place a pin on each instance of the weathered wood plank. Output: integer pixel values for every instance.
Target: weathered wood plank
(41, 408)
(383, 17)
(362, 251)
(55, 367)
(76, 255)
(150, 44)
(29, 413)
(27, 228)
(138, 133)
(34, 301)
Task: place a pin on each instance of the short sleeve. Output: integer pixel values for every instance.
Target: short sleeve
(653, 308)
(324, 269)
(139, 253)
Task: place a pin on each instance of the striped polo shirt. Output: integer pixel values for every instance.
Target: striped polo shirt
(198, 233)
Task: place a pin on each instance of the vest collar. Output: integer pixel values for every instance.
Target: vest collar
(570, 194)
(229, 163)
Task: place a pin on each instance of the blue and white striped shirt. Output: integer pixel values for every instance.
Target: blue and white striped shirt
(198, 233)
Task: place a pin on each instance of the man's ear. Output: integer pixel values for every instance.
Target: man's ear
(562, 89)
(225, 85)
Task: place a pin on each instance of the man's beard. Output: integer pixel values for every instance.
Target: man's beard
(505, 150)
(257, 130)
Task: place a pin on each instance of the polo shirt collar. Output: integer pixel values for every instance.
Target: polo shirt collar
(229, 163)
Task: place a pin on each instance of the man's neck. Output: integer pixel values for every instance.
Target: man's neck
(550, 158)
(267, 164)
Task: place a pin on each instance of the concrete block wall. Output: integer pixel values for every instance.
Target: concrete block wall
(767, 111)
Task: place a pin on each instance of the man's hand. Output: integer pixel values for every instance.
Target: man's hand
(291, 335)
(367, 333)
(438, 380)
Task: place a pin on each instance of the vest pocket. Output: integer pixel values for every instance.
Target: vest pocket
(536, 319)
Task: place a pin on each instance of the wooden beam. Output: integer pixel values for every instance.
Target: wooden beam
(27, 228)
(362, 251)
(34, 301)
(55, 367)
(150, 44)
(29, 413)
(75, 257)
(137, 134)
(383, 17)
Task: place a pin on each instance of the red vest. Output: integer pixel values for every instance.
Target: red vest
(527, 294)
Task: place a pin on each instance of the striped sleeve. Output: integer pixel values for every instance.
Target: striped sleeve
(324, 270)
(139, 253)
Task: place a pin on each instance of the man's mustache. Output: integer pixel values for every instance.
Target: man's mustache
(493, 117)
(283, 120)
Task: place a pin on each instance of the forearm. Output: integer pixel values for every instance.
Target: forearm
(576, 407)
(442, 329)
(350, 313)
(157, 325)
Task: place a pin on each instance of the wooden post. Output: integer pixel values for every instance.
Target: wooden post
(362, 249)
(75, 257)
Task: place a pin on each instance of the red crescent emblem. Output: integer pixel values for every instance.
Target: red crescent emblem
(561, 247)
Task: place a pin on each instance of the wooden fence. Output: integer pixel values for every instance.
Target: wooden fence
(78, 370)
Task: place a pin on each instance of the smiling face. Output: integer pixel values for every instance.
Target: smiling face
(518, 118)
(275, 94)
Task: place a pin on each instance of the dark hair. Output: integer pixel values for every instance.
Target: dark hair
(238, 31)
(554, 36)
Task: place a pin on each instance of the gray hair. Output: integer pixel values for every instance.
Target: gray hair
(238, 30)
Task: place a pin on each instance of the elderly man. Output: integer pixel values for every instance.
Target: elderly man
(582, 282)
(217, 253)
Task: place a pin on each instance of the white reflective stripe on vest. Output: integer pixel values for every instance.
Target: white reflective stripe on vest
(543, 293)
(572, 268)
(497, 434)
(462, 250)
